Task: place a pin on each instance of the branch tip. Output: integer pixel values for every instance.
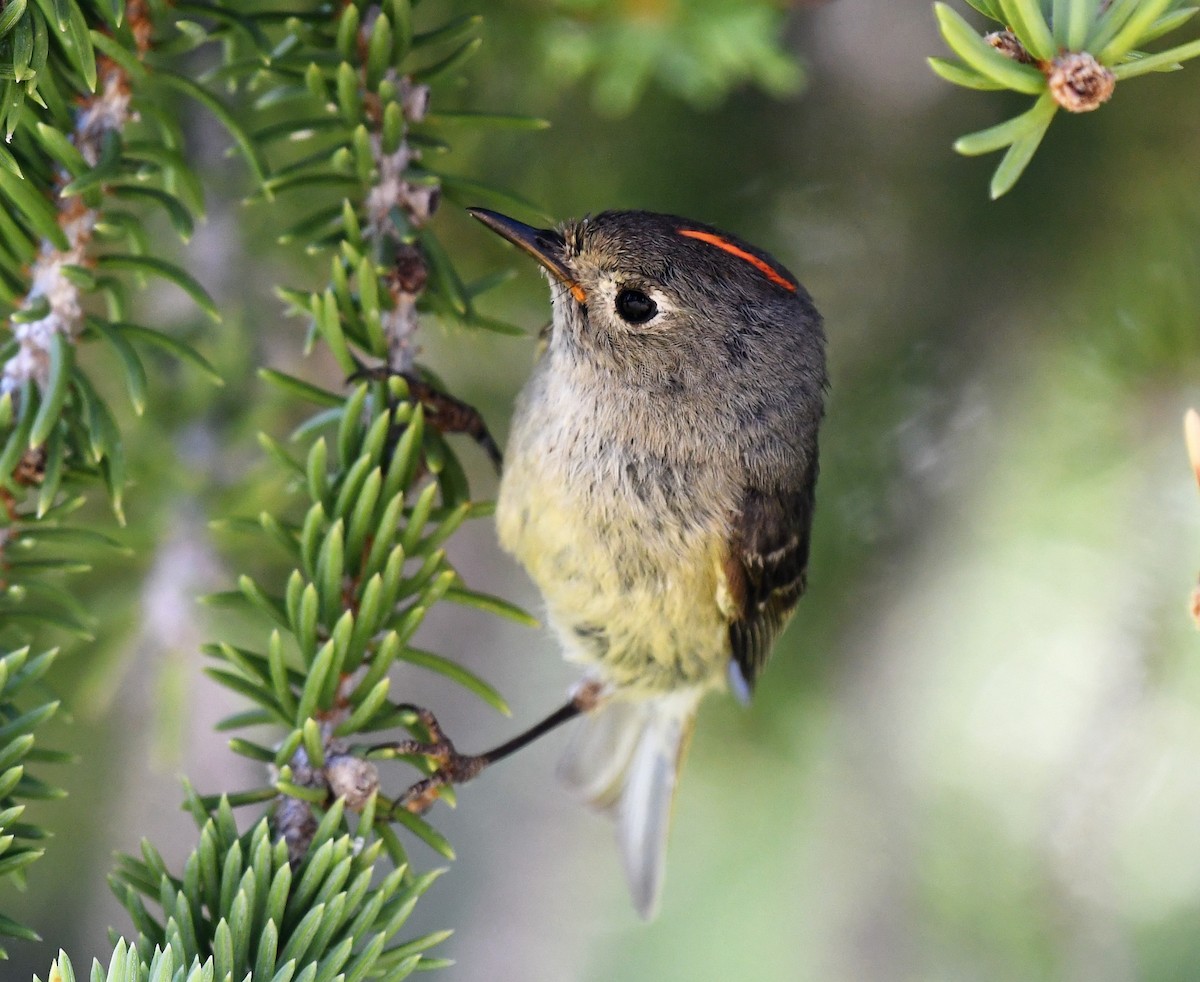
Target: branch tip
(1009, 45)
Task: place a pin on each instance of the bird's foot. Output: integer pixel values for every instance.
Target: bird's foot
(452, 767)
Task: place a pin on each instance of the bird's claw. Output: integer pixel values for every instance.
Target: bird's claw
(452, 767)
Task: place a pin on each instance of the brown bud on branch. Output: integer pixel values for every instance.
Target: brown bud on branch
(1078, 82)
(1007, 43)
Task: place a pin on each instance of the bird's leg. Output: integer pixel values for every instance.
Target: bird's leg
(456, 768)
(445, 413)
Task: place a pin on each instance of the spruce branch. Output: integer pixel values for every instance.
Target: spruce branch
(72, 170)
(56, 287)
(381, 488)
(369, 544)
(1070, 54)
(70, 77)
(245, 909)
(343, 106)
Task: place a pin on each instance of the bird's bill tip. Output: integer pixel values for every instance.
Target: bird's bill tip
(545, 245)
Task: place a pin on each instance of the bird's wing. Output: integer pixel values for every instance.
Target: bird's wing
(766, 572)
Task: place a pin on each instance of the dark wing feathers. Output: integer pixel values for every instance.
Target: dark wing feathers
(767, 568)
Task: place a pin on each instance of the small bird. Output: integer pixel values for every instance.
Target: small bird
(659, 486)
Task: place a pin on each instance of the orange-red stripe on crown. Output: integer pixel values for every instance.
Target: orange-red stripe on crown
(760, 264)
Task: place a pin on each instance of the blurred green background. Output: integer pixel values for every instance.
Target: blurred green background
(976, 753)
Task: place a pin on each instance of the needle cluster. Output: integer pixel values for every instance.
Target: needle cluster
(1069, 54)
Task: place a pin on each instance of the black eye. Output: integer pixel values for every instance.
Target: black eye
(635, 307)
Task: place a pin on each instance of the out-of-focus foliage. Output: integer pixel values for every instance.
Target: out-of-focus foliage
(698, 50)
(1068, 53)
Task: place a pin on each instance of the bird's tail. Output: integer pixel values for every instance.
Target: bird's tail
(624, 758)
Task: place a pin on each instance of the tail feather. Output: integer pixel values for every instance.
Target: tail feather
(597, 758)
(625, 759)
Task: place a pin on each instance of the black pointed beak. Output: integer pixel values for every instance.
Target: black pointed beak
(544, 244)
